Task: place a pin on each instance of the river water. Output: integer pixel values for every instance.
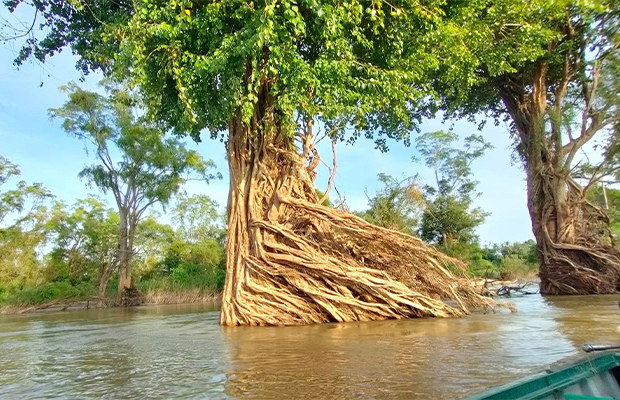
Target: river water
(180, 351)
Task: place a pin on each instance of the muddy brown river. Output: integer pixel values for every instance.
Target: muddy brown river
(180, 352)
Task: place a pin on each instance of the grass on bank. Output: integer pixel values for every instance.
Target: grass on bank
(185, 284)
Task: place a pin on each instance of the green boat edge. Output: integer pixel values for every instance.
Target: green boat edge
(551, 381)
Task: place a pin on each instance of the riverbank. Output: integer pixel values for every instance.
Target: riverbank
(150, 297)
(158, 295)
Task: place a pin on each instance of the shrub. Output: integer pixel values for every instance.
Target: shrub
(515, 268)
(50, 291)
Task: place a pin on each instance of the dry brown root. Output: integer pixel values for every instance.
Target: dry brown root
(582, 258)
(580, 269)
(360, 272)
(293, 261)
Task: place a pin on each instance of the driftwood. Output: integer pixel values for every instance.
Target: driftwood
(64, 305)
(497, 288)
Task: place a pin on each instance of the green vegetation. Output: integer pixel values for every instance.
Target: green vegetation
(52, 252)
(448, 216)
(265, 77)
(151, 168)
(549, 68)
(397, 206)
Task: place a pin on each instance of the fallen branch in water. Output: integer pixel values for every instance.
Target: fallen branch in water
(508, 290)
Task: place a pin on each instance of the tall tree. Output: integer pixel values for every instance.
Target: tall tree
(551, 69)
(448, 216)
(260, 76)
(85, 242)
(396, 206)
(197, 218)
(23, 226)
(150, 169)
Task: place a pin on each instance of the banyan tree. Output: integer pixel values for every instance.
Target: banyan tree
(268, 78)
(551, 70)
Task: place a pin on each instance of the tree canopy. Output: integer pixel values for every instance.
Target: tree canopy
(150, 170)
(448, 216)
(355, 64)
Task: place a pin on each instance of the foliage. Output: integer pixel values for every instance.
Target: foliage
(608, 199)
(448, 216)
(191, 255)
(485, 44)
(550, 68)
(151, 245)
(48, 292)
(356, 63)
(197, 218)
(23, 227)
(84, 241)
(86, 27)
(345, 63)
(151, 168)
(506, 261)
(396, 206)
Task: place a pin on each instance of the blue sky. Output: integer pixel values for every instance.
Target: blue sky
(46, 154)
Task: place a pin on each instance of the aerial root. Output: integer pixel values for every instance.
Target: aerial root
(294, 261)
(350, 270)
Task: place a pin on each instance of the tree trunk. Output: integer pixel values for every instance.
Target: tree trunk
(124, 255)
(292, 261)
(575, 254)
(573, 240)
(106, 273)
(128, 294)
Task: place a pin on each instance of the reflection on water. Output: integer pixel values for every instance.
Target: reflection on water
(181, 352)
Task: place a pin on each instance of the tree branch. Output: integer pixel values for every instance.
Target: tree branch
(332, 173)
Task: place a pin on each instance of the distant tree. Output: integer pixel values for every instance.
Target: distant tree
(608, 199)
(197, 218)
(523, 250)
(149, 170)
(153, 239)
(396, 206)
(84, 243)
(448, 216)
(23, 229)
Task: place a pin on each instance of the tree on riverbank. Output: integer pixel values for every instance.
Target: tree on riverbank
(261, 76)
(63, 260)
(23, 220)
(150, 170)
(551, 69)
(448, 218)
(397, 206)
(85, 244)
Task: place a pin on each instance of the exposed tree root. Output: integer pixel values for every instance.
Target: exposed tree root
(592, 268)
(292, 261)
(575, 244)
